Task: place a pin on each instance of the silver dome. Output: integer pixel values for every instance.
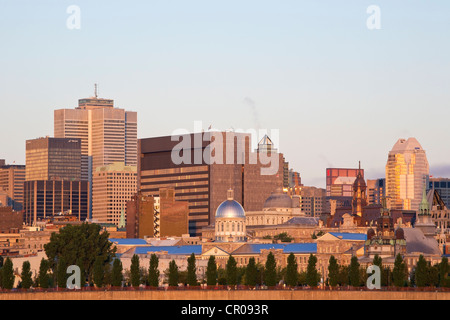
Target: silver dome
(230, 209)
(278, 199)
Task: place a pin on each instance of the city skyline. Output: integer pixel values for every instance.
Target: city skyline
(309, 70)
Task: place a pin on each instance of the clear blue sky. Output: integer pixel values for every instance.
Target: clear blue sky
(338, 92)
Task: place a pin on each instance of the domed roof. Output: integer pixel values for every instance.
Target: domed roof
(278, 199)
(230, 209)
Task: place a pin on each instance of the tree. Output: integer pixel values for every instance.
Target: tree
(80, 245)
(191, 271)
(399, 274)
(333, 272)
(312, 276)
(291, 271)
(211, 272)
(353, 272)
(99, 272)
(61, 274)
(251, 273)
(343, 275)
(421, 272)
(43, 274)
(135, 274)
(231, 271)
(117, 276)
(8, 274)
(173, 274)
(283, 237)
(26, 275)
(270, 272)
(443, 273)
(153, 271)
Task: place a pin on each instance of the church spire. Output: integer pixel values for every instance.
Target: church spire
(424, 208)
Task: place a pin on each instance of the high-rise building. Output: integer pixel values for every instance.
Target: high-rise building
(108, 135)
(407, 171)
(312, 201)
(113, 186)
(53, 183)
(12, 178)
(376, 190)
(53, 159)
(339, 185)
(214, 163)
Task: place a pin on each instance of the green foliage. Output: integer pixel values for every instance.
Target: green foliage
(44, 279)
(343, 279)
(444, 269)
(353, 273)
(99, 272)
(231, 271)
(61, 273)
(251, 273)
(192, 271)
(421, 272)
(267, 237)
(26, 275)
(173, 274)
(399, 273)
(291, 271)
(283, 237)
(135, 274)
(153, 271)
(333, 272)
(270, 272)
(80, 245)
(211, 272)
(117, 276)
(8, 274)
(312, 276)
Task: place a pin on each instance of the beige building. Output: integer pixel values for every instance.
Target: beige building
(113, 186)
(407, 171)
(12, 178)
(107, 134)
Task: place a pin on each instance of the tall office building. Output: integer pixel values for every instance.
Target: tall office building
(212, 167)
(113, 186)
(407, 171)
(108, 135)
(53, 183)
(53, 159)
(312, 201)
(339, 185)
(376, 190)
(12, 178)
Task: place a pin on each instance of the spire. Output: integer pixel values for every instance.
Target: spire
(424, 208)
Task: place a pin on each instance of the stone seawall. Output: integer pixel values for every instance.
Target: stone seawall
(227, 295)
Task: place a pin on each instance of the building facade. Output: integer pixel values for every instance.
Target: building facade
(407, 170)
(12, 178)
(339, 185)
(113, 186)
(211, 163)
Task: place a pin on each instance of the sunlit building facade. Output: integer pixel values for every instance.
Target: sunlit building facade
(407, 171)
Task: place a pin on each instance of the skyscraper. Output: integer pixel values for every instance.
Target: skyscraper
(113, 186)
(204, 183)
(407, 171)
(108, 135)
(53, 183)
(12, 178)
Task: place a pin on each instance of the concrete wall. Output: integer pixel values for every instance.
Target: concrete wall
(227, 295)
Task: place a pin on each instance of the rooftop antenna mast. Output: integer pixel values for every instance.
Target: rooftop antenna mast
(96, 90)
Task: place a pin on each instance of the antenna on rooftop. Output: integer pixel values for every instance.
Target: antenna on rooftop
(96, 90)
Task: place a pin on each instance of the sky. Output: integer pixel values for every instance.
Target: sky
(337, 91)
